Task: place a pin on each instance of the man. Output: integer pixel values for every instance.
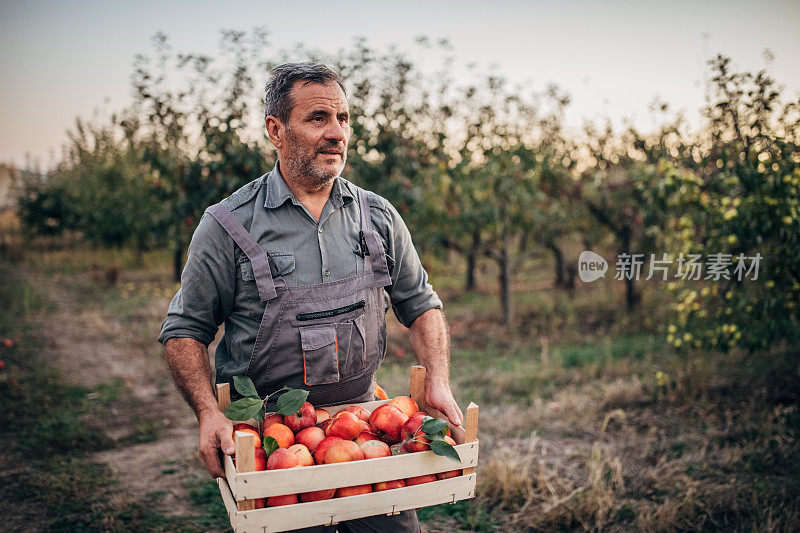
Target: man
(298, 264)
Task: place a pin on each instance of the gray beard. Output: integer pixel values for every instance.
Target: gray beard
(305, 174)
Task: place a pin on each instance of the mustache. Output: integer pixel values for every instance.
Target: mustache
(331, 147)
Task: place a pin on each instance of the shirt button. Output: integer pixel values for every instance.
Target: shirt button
(327, 271)
(319, 229)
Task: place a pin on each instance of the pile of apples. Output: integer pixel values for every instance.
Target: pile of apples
(314, 437)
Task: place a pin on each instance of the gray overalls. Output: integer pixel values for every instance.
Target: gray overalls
(328, 338)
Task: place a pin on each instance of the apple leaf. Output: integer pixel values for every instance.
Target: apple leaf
(433, 425)
(245, 386)
(244, 408)
(441, 447)
(269, 444)
(290, 401)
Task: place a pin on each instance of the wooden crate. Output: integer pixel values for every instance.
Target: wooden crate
(241, 485)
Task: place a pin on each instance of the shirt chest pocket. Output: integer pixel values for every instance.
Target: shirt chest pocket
(247, 299)
(280, 264)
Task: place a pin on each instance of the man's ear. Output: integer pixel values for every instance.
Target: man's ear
(275, 130)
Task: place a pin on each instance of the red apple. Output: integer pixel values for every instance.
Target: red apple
(365, 436)
(345, 425)
(310, 438)
(365, 426)
(261, 459)
(448, 474)
(418, 480)
(343, 451)
(353, 491)
(259, 503)
(317, 495)
(322, 415)
(386, 421)
(304, 418)
(405, 404)
(286, 499)
(281, 433)
(302, 454)
(282, 458)
(359, 411)
(322, 449)
(449, 440)
(324, 424)
(387, 485)
(375, 448)
(274, 418)
(414, 438)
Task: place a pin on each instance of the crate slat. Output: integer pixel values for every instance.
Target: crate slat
(340, 509)
(304, 479)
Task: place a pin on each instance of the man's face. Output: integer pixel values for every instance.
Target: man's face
(315, 138)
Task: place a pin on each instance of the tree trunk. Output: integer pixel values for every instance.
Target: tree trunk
(559, 266)
(631, 297)
(472, 261)
(506, 278)
(177, 257)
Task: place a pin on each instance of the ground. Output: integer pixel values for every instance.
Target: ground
(599, 426)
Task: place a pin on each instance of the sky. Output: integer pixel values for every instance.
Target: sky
(65, 59)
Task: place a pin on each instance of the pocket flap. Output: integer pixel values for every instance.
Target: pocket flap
(246, 269)
(314, 338)
(284, 262)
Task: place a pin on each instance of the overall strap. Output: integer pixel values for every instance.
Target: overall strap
(380, 270)
(258, 257)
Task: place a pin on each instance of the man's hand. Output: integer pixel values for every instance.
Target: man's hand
(216, 432)
(439, 396)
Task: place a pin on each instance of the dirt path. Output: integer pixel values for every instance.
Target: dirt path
(91, 348)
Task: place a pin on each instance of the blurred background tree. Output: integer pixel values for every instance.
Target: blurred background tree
(482, 169)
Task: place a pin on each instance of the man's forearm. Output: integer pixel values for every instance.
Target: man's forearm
(187, 360)
(431, 345)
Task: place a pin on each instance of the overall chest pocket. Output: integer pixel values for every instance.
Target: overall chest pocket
(332, 351)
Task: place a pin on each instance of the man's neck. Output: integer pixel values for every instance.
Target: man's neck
(313, 198)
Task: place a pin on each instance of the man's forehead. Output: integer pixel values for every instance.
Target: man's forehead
(312, 94)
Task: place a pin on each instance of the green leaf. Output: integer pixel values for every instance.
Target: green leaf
(441, 447)
(291, 401)
(244, 409)
(433, 426)
(244, 386)
(269, 444)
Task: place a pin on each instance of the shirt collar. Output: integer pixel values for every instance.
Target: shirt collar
(277, 192)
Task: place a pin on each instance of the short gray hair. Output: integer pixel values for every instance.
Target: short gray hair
(277, 98)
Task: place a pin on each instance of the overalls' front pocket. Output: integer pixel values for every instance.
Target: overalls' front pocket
(320, 354)
(333, 351)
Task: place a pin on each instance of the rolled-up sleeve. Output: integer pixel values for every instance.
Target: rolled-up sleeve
(205, 297)
(410, 292)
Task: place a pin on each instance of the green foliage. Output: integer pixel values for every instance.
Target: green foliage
(244, 408)
(100, 189)
(269, 444)
(289, 402)
(744, 202)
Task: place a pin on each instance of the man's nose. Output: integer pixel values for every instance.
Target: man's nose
(337, 131)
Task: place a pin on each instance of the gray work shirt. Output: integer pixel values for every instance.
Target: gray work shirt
(302, 250)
